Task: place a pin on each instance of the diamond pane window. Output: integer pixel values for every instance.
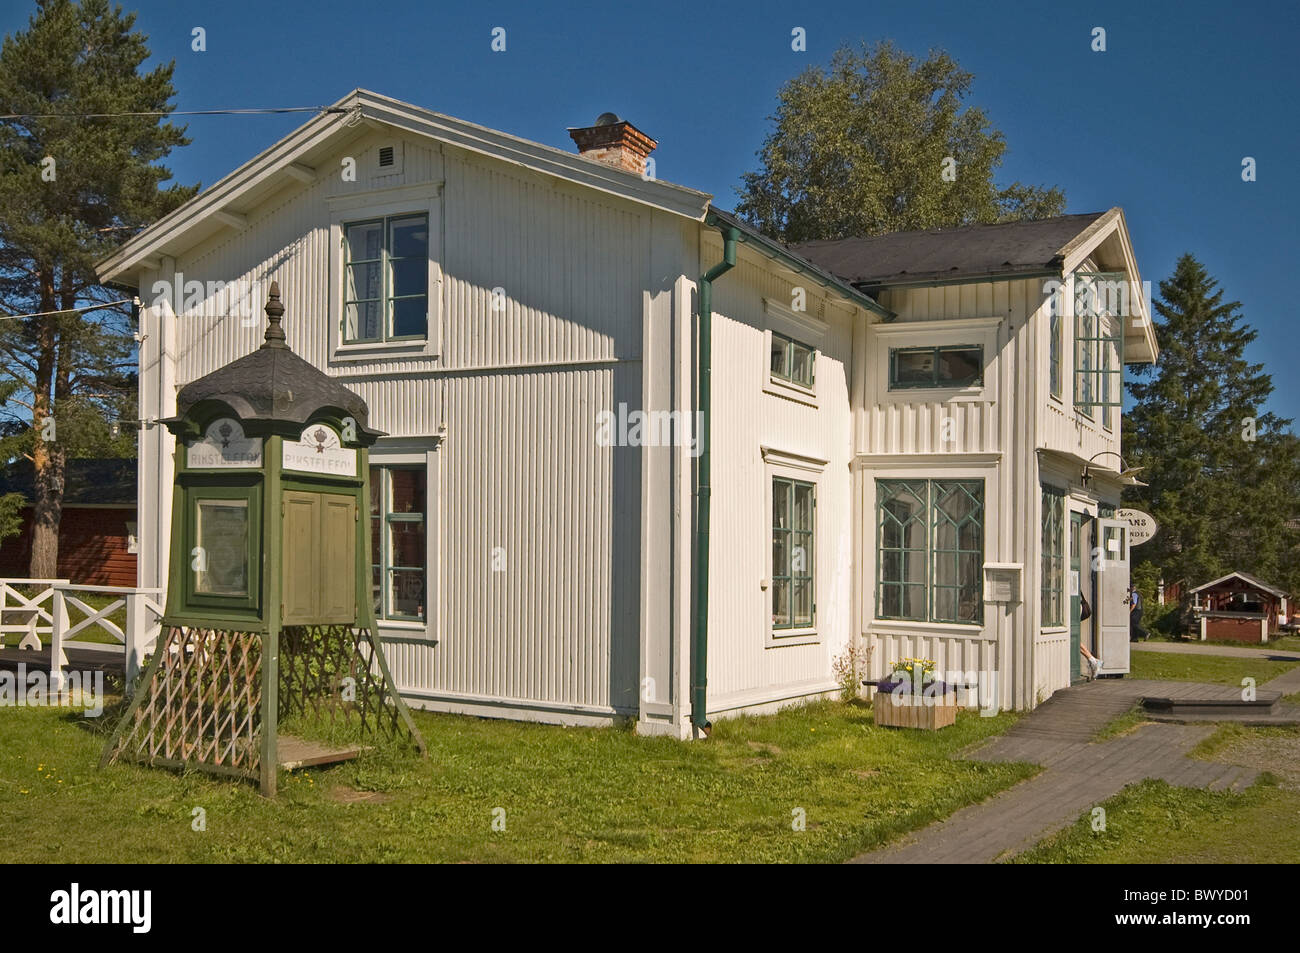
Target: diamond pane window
(1053, 550)
(930, 535)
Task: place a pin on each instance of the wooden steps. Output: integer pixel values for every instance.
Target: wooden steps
(1210, 705)
(295, 753)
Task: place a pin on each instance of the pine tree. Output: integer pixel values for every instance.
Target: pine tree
(1223, 471)
(70, 190)
(879, 142)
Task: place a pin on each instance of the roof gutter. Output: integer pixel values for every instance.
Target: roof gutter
(704, 370)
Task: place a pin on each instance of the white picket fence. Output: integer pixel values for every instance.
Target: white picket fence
(50, 613)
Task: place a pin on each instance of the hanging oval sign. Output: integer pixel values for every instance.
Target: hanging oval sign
(1141, 526)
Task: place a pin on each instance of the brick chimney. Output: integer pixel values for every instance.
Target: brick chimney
(615, 142)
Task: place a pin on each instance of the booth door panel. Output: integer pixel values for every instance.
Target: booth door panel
(338, 533)
(301, 557)
(319, 557)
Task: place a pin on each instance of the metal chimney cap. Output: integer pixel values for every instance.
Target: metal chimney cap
(607, 119)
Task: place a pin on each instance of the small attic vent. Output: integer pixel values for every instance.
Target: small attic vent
(388, 159)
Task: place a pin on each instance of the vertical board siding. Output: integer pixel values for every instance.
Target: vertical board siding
(523, 477)
(1007, 423)
(742, 667)
(518, 391)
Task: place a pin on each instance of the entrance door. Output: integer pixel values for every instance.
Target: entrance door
(1112, 596)
(1076, 566)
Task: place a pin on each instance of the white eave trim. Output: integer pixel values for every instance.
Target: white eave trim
(167, 234)
(1076, 252)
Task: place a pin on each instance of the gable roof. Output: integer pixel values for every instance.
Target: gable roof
(85, 480)
(355, 115)
(1244, 577)
(1049, 247)
(944, 254)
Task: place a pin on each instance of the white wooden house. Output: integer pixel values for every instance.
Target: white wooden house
(522, 323)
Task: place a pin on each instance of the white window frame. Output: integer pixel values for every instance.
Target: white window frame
(802, 328)
(792, 466)
(981, 332)
(426, 452)
(933, 467)
(425, 198)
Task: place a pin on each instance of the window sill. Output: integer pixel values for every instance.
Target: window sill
(804, 636)
(961, 629)
(778, 387)
(936, 395)
(351, 353)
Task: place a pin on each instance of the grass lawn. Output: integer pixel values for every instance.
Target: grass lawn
(1154, 823)
(1285, 643)
(569, 794)
(1217, 669)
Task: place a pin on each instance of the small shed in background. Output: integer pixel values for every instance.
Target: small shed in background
(97, 534)
(1240, 608)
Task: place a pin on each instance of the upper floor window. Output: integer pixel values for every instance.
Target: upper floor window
(386, 279)
(950, 366)
(792, 361)
(1100, 302)
(1054, 352)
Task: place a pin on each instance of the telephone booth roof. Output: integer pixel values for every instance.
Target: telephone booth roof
(272, 387)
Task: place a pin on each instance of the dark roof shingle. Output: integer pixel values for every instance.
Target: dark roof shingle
(948, 253)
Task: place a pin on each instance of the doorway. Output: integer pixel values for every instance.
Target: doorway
(1076, 589)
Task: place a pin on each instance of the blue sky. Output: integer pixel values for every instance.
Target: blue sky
(1158, 124)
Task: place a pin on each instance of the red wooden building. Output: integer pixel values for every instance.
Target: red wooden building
(97, 534)
(1240, 608)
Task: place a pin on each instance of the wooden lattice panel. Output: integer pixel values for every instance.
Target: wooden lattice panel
(202, 706)
(316, 664)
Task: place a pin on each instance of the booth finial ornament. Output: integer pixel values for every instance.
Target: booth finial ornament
(274, 311)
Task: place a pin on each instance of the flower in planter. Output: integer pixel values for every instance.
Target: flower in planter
(916, 671)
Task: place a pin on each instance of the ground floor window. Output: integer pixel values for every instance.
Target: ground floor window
(930, 535)
(1053, 549)
(397, 543)
(793, 533)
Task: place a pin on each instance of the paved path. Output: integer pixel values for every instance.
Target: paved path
(1201, 648)
(1078, 773)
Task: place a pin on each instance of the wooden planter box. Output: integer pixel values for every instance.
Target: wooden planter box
(917, 711)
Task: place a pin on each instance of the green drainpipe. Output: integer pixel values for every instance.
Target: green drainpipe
(700, 628)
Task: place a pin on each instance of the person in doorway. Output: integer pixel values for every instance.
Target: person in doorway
(1135, 630)
(1093, 663)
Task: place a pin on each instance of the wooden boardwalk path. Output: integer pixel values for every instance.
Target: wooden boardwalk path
(1078, 773)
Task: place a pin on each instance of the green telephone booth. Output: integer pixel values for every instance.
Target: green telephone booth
(269, 605)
